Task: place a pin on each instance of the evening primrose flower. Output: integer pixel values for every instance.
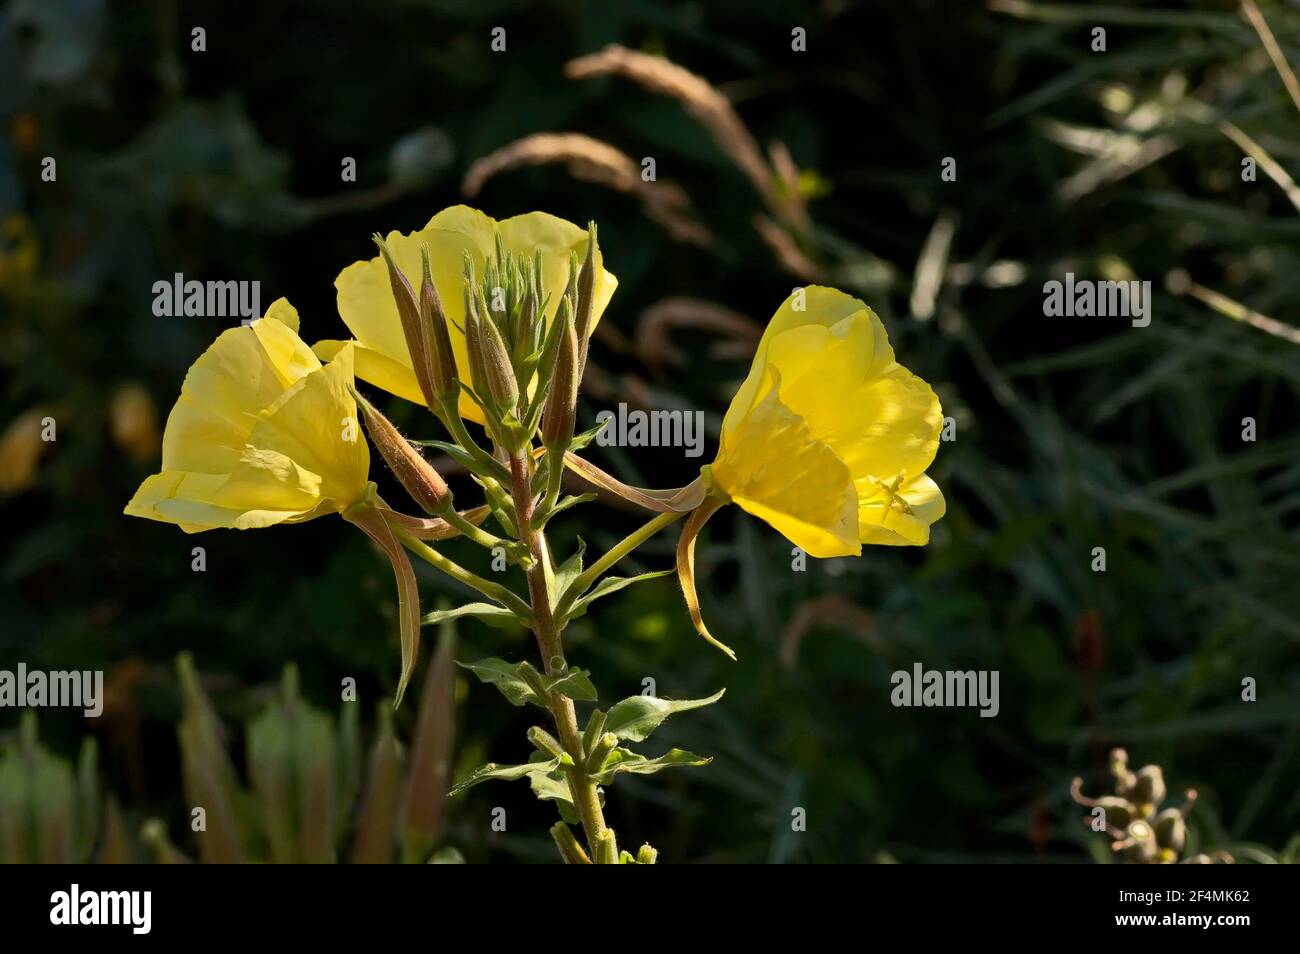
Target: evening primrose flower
(827, 440)
(368, 308)
(261, 434)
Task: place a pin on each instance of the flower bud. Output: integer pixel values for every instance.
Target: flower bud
(416, 475)
(548, 744)
(562, 399)
(526, 333)
(494, 375)
(570, 850)
(414, 328)
(586, 297)
(646, 855)
(600, 753)
(442, 359)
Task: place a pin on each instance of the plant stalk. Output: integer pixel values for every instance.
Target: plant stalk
(581, 786)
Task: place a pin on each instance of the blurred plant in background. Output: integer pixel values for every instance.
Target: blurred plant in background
(1069, 434)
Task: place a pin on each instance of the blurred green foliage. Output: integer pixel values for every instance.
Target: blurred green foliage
(1071, 433)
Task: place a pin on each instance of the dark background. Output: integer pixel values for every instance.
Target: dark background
(1071, 433)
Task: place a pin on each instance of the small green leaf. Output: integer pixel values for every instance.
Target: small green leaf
(607, 585)
(554, 787)
(567, 572)
(637, 716)
(627, 762)
(489, 613)
(507, 773)
(574, 683)
(510, 678)
(586, 437)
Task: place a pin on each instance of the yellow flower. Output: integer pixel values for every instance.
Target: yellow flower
(261, 434)
(365, 296)
(828, 439)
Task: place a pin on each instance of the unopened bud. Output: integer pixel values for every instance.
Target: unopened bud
(548, 744)
(586, 297)
(442, 359)
(600, 753)
(496, 381)
(570, 850)
(561, 400)
(414, 328)
(646, 855)
(416, 475)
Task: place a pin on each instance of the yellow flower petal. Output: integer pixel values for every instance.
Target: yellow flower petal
(899, 516)
(842, 379)
(824, 405)
(259, 434)
(771, 466)
(365, 297)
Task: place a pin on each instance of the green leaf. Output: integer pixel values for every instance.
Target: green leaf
(627, 762)
(507, 773)
(574, 683)
(637, 716)
(509, 677)
(489, 613)
(553, 787)
(567, 572)
(607, 585)
(586, 437)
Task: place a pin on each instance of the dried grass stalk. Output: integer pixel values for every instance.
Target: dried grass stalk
(591, 160)
(709, 107)
(787, 250)
(655, 347)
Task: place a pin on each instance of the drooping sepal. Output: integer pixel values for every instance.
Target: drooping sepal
(686, 568)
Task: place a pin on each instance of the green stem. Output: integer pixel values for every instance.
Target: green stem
(451, 420)
(584, 580)
(457, 572)
(581, 786)
(478, 534)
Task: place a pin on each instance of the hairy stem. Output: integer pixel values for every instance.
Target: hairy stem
(581, 786)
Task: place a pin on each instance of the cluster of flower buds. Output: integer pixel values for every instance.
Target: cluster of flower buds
(524, 360)
(1140, 830)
